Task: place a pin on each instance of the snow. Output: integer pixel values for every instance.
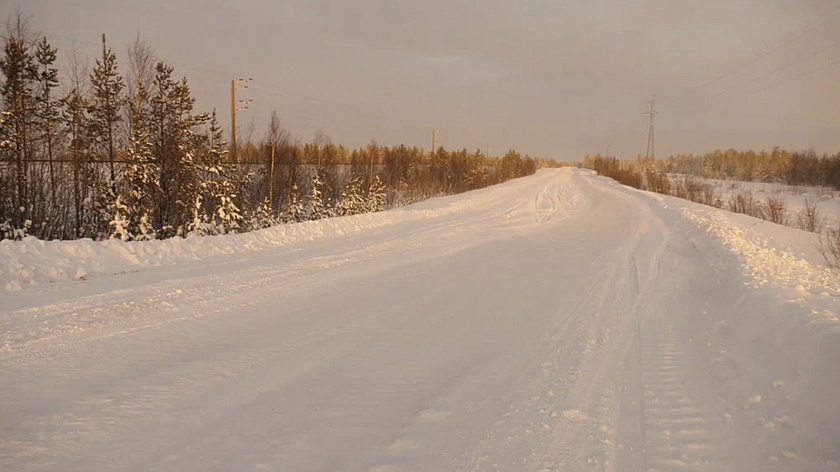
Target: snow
(765, 262)
(554, 322)
(32, 262)
(827, 199)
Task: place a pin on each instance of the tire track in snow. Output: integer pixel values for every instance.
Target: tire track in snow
(570, 408)
(679, 434)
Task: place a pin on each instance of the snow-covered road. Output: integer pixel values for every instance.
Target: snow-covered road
(555, 322)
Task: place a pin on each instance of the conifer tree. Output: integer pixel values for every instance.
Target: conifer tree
(47, 106)
(218, 185)
(107, 102)
(74, 121)
(317, 209)
(198, 226)
(19, 72)
(262, 216)
(376, 195)
(352, 200)
(141, 184)
(119, 225)
(294, 211)
(175, 145)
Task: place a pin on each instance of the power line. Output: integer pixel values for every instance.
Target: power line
(813, 71)
(791, 37)
(278, 91)
(779, 69)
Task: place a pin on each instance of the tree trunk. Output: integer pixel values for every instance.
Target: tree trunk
(271, 182)
(77, 191)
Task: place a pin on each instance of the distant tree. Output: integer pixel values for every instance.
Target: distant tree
(511, 164)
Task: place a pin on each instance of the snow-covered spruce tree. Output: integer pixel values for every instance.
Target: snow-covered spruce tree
(261, 218)
(199, 225)
(218, 185)
(294, 211)
(119, 225)
(376, 196)
(140, 183)
(316, 208)
(7, 180)
(101, 207)
(188, 175)
(175, 149)
(352, 200)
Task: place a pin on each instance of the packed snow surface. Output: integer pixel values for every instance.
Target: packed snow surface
(556, 322)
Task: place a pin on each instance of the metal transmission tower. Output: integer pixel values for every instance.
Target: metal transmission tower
(234, 106)
(652, 114)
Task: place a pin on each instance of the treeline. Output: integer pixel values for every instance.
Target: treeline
(106, 155)
(778, 165)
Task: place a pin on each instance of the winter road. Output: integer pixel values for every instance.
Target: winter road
(558, 322)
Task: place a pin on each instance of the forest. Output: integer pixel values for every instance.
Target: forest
(778, 165)
(123, 153)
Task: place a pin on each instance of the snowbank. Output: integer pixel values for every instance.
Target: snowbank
(764, 259)
(33, 261)
(785, 329)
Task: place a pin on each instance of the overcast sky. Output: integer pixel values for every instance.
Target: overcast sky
(552, 78)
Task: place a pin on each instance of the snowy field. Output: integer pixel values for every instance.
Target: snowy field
(558, 322)
(827, 199)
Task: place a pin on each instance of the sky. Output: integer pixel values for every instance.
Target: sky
(551, 78)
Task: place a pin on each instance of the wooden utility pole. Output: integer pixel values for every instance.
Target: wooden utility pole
(652, 113)
(233, 120)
